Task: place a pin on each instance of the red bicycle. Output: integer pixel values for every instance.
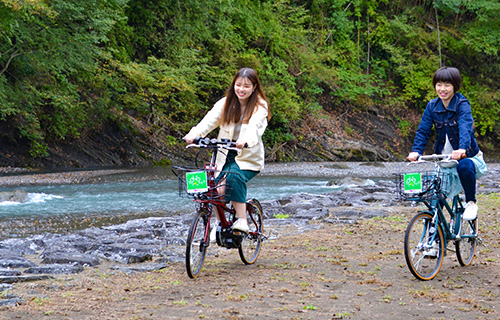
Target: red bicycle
(207, 187)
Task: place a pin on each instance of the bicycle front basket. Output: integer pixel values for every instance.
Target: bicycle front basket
(420, 185)
(202, 184)
(191, 176)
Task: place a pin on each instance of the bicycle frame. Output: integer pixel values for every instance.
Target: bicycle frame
(209, 204)
(436, 209)
(437, 205)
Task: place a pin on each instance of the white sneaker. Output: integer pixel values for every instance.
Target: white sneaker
(241, 225)
(470, 212)
(213, 234)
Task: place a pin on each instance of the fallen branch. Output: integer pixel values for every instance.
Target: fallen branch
(12, 56)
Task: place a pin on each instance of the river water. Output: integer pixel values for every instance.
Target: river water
(62, 203)
(141, 191)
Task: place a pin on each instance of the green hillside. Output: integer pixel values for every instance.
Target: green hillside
(139, 73)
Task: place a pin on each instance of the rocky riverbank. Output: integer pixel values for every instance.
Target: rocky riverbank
(152, 242)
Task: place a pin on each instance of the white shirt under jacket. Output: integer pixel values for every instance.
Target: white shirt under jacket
(250, 158)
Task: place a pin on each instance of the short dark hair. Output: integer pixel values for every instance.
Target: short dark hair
(448, 74)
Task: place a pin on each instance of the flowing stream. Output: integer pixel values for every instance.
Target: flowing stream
(139, 192)
(116, 196)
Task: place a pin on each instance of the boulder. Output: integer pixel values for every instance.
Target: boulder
(20, 196)
(75, 258)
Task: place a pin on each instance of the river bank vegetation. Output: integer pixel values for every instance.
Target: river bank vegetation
(71, 69)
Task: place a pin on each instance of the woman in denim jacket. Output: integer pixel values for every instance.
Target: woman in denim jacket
(450, 114)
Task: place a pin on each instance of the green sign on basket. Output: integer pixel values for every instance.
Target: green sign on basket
(196, 182)
(413, 183)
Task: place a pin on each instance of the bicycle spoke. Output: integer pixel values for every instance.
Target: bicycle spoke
(466, 247)
(423, 249)
(250, 246)
(196, 248)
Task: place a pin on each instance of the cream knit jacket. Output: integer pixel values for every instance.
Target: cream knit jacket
(250, 158)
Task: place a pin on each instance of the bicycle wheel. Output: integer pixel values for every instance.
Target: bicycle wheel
(197, 243)
(250, 246)
(466, 246)
(424, 259)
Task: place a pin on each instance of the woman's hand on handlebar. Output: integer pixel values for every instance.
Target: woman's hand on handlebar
(413, 156)
(189, 138)
(458, 154)
(240, 144)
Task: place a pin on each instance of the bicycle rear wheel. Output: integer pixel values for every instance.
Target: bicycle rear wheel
(197, 243)
(423, 256)
(250, 246)
(466, 246)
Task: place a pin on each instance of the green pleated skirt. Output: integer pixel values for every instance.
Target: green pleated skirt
(236, 179)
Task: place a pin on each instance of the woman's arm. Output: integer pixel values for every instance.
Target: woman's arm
(465, 124)
(252, 131)
(208, 123)
(423, 131)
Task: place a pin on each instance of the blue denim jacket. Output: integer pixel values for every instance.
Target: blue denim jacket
(455, 121)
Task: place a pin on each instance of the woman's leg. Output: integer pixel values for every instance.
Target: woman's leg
(467, 174)
(235, 182)
(241, 209)
(238, 183)
(241, 223)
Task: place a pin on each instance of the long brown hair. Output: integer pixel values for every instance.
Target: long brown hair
(232, 107)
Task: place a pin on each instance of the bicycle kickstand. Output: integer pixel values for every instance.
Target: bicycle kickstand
(272, 235)
(479, 241)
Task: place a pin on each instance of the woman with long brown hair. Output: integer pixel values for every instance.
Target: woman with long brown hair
(242, 117)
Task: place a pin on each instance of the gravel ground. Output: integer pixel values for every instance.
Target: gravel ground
(19, 177)
(340, 169)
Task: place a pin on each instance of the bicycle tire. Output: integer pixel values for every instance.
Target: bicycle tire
(419, 258)
(252, 242)
(196, 246)
(466, 246)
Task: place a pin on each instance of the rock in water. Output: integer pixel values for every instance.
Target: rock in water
(14, 196)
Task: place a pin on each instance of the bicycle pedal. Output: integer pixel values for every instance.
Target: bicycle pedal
(239, 233)
(479, 241)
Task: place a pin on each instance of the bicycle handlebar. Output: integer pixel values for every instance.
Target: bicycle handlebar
(214, 143)
(435, 157)
(443, 160)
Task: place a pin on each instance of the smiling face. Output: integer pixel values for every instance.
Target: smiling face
(243, 88)
(445, 91)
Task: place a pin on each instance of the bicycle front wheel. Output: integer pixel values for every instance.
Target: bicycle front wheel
(250, 246)
(424, 247)
(197, 243)
(466, 246)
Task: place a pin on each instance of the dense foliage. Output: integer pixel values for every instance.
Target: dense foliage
(70, 65)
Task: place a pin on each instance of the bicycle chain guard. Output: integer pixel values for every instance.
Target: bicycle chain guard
(227, 238)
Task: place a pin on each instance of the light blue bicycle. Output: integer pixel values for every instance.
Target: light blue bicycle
(428, 233)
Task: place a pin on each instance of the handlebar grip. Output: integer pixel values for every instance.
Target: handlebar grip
(233, 145)
(201, 141)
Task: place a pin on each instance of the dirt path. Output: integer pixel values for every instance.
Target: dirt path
(330, 272)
